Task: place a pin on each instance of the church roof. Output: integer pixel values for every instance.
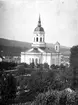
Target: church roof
(48, 50)
(35, 50)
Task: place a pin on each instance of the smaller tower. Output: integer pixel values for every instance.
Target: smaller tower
(57, 47)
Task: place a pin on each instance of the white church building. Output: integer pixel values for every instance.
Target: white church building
(40, 53)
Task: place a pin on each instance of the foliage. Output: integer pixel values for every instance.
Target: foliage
(62, 66)
(40, 66)
(7, 88)
(48, 98)
(45, 65)
(32, 65)
(54, 97)
(40, 81)
(74, 65)
(7, 65)
(23, 64)
(40, 99)
(53, 66)
(74, 57)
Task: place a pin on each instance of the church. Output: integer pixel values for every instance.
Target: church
(40, 53)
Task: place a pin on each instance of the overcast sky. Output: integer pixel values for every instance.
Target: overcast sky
(59, 18)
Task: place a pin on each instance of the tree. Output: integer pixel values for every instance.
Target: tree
(46, 66)
(74, 64)
(32, 65)
(53, 66)
(74, 57)
(8, 88)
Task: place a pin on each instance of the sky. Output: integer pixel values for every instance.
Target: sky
(59, 18)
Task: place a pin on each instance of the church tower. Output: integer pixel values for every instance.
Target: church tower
(57, 47)
(39, 36)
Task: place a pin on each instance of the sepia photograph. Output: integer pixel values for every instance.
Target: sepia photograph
(38, 52)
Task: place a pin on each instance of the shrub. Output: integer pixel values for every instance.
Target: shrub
(52, 98)
(40, 99)
(71, 99)
(45, 65)
(48, 98)
(63, 98)
(53, 66)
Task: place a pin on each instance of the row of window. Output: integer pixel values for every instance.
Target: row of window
(37, 39)
(32, 60)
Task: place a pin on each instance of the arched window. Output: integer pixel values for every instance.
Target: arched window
(34, 39)
(32, 60)
(36, 61)
(56, 47)
(37, 39)
(40, 39)
(43, 39)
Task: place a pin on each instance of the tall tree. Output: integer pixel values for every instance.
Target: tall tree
(74, 57)
(74, 64)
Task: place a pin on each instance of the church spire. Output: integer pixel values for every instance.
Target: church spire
(39, 22)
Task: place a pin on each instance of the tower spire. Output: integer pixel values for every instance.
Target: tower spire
(39, 21)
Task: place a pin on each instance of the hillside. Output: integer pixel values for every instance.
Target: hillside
(13, 43)
(12, 47)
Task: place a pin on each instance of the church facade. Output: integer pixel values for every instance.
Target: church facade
(40, 53)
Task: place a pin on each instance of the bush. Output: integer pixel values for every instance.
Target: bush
(53, 66)
(63, 98)
(52, 98)
(40, 99)
(46, 66)
(48, 98)
(7, 65)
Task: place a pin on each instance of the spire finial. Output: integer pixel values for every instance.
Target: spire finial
(39, 18)
(39, 22)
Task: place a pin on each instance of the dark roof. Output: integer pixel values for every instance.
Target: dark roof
(52, 50)
(48, 50)
(39, 29)
(35, 50)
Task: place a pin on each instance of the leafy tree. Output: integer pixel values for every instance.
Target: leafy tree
(53, 66)
(45, 65)
(8, 88)
(32, 65)
(74, 64)
(40, 66)
(63, 99)
(62, 66)
(7, 65)
(74, 57)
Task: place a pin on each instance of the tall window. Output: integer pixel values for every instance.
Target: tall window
(56, 47)
(37, 39)
(32, 60)
(34, 39)
(29, 60)
(36, 61)
(43, 39)
(40, 39)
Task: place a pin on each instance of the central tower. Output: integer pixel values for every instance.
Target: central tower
(39, 36)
